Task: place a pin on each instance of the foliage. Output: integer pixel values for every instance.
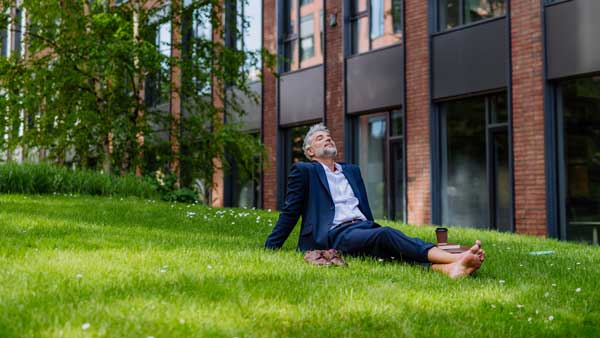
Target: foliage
(166, 187)
(75, 94)
(46, 178)
(137, 268)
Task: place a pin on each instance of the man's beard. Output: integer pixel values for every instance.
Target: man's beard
(329, 152)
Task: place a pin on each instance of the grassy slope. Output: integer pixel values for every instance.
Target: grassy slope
(134, 268)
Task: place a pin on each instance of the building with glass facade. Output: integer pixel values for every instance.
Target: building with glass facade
(473, 113)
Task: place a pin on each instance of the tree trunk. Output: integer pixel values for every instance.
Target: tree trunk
(175, 98)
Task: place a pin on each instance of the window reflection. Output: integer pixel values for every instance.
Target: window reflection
(472, 11)
(302, 46)
(476, 10)
(377, 27)
(371, 159)
(581, 120)
(464, 188)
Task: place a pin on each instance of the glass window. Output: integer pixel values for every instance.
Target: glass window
(396, 120)
(464, 188)
(307, 40)
(581, 147)
(499, 109)
(250, 28)
(448, 14)
(371, 159)
(378, 148)
(245, 187)
(4, 42)
(472, 11)
(375, 24)
(301, 46)
(468, 199)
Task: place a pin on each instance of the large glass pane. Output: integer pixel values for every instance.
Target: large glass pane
(499, 110)
(397, 171)
(448, 16)
(4, 41)
(290, 55)
(501, 184)
(371, 159)
(307, 40)
(464, 187)
(251, 28)
(289, 17)
(163, 43)
(396, 119)
(476, 10)
(311, 18)
(360, 35)
(386, 23)
(294, 144)
(246, 186)
(357, 6)
(581, 122)
(377, 18)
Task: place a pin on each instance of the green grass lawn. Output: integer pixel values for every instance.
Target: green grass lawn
(90, 267)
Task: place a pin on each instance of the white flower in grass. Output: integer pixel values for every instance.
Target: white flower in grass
(163, 270)
(547, 294)
(578, 290)
(79, 276)
(181, 321)
(209, 267)
(537, 312)
(501, 281)
(554, 284)
(550, 318)
(85, 326)
(529, 319)
(520, 306)
(493, 306)
(150, 337)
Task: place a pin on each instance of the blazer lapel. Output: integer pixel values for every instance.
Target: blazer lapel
(322, 177)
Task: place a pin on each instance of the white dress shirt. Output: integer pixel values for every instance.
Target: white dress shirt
(344, 200)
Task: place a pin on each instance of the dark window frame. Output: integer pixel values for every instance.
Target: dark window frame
(461, 17)
(291, 38)
(390, 141)
(491, 130)
(354, 17)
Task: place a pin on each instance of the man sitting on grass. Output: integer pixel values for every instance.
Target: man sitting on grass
(332, 200)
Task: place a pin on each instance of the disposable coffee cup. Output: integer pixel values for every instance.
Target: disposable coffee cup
(441, 235)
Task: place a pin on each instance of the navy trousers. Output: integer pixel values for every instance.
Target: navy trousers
(370, 239)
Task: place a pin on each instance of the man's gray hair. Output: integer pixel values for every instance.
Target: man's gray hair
(308, 138)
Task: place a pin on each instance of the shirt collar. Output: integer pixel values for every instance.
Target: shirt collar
(338, 167)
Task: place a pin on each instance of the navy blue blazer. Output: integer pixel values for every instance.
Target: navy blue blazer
(308, 196)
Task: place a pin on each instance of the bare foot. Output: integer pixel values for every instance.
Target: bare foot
(476, 250)
(468, 262)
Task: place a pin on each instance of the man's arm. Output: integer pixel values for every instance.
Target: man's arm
(294, 201)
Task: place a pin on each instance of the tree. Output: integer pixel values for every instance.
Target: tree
(90, 92)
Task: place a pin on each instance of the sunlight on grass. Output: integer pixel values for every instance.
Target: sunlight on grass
(85, 266)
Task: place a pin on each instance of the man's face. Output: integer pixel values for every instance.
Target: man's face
(322, 146)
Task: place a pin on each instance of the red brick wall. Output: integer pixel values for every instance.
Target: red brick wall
(334, 67)
(417, 112)
(269, 118)
(528, 117)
